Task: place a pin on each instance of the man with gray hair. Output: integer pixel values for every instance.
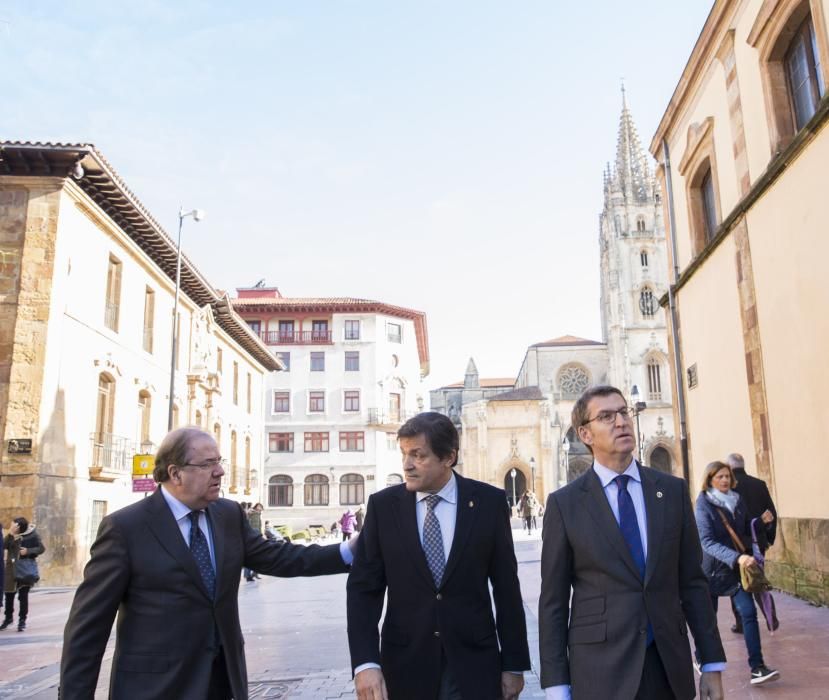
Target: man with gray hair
(758, 502)
(169, 566)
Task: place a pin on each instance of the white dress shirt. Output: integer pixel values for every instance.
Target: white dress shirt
(181, 513)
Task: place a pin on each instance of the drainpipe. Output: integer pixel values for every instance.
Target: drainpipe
(680, 377)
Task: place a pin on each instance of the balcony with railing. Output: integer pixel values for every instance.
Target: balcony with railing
(380, 417)
(297, 337)
(111, 456)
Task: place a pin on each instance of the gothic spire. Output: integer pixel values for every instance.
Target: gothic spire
(470, 379)
(632, 171)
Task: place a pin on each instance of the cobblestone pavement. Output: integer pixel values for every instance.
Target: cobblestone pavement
(297, 649)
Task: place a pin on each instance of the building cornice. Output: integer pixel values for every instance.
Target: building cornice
(100, 183)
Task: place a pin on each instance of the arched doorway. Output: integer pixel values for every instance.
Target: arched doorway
(661, 459)
(514, 495)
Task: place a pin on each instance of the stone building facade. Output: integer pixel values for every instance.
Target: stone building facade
(86, 299)
(742, 148)
(353, 372)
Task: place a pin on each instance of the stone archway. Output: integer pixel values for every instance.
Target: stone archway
(520, 485)
(660, 458)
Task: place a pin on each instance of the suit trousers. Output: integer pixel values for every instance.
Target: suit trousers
(219, 688)
(654, 684)
(448, 689)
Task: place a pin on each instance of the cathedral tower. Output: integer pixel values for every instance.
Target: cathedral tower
(634, 274)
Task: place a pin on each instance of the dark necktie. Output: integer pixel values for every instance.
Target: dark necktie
(629, 525)
(433, 540)
(201, 553)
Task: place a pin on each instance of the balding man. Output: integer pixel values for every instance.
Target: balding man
(169, 566)
(758, 502)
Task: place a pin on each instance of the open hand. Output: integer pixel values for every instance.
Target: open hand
(767, 517)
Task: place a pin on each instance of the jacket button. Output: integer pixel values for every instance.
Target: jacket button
(437, 634)
(439, 596)
(641, 631)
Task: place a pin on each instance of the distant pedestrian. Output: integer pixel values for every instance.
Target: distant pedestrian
(528, 504)
(254, 515)
(758, 502)
(348, 522)
(360, 516)
(22, 547)
(720, 512)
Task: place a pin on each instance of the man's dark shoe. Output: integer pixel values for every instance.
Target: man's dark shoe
(737, 629)
(763, 674)
(6, 623)
(21, 626)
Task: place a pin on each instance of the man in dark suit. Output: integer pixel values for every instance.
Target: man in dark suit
(622, 540)
(435, 543)
(169, 566)
(758, 502)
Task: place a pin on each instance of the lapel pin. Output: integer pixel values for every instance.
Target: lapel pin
(471, 504)
(659, 494)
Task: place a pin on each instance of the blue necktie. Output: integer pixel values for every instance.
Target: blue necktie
(629, 525)
(201, 553)
(433, 540)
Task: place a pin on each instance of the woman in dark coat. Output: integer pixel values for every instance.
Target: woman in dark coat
(22, 543)
(721, 559)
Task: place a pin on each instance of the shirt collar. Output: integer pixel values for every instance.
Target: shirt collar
(607, 475)
(448, 493)
(179, 509)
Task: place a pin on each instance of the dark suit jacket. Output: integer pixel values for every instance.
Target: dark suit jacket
(598, 646)
(423, 622)
(166, 637)
(755, 494)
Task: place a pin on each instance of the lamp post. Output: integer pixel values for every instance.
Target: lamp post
(512, 474)
(532, 471)
(198, 215)
(638, 407)
(565, 445)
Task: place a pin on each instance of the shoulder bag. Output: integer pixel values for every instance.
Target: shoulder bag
(752, 577)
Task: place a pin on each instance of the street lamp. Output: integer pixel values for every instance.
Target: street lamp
(565, 445)
(198, 215)
(638, 407)
(532, 471)
(512, 474)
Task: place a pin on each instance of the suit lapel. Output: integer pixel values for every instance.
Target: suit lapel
(166, 530)
(655, 514)
(596, 504)
(464, 521)
(407, 526)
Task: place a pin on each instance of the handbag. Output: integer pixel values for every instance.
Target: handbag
(25, 571)
(752, 577)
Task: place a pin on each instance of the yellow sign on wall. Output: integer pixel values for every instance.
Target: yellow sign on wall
(143, 465)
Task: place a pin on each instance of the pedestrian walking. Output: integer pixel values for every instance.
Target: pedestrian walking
(719, 512)
(168, 566)
(360, 516)
(432, 548)
(348, 522)
(621, 576)
(22, 547)
(758, 502)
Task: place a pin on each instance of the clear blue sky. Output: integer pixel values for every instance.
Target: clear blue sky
(445, 156)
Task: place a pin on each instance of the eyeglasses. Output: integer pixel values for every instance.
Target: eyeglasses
(209, 464)
(608, 417)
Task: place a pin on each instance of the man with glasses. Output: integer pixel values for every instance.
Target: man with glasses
(169, 566)
(622, 542)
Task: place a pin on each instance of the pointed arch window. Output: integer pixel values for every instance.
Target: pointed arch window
(647, 303)
(640, 224)
(654, 379)
(643, 259)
